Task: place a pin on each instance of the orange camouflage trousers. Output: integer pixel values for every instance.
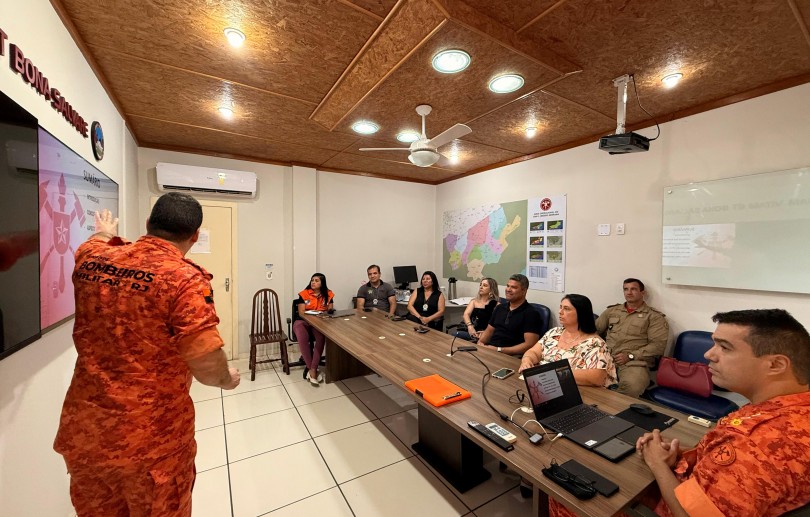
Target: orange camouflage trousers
(160, 490)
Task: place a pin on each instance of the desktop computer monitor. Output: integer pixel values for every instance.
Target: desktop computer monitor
(404, 275)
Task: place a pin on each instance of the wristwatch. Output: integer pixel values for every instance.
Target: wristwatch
(499, 349)
(631, 357)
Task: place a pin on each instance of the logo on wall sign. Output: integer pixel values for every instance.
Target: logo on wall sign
(545, 204)
(97, 140)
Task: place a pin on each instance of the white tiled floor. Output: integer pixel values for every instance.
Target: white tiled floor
(281, 447)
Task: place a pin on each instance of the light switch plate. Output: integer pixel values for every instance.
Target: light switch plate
(619, 228)
(603, 229)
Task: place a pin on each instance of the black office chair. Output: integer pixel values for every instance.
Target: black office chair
(294, 339)
(545, 315)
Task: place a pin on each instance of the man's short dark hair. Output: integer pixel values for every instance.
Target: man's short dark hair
(175, 217)
(774, 331)
(636, 280)
(521, 279)
(373, 266)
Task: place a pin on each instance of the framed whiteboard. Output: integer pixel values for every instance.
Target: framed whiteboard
(750, 232)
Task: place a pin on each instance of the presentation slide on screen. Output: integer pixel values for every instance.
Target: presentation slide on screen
(70, 192)
(745, 233)
(544, 386)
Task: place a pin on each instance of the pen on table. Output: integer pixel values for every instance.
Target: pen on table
(452, 396)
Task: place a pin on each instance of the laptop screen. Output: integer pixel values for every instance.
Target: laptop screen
(552, 388)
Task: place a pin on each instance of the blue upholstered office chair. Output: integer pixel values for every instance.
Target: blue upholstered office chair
(690, 346)
(545, 315)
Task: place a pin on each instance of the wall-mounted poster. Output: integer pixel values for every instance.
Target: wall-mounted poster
(546, 260)
(70, 192)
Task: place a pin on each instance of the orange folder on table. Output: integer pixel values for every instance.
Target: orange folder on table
(437, 390)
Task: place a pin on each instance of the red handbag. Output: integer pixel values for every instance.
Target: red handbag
(692, 378)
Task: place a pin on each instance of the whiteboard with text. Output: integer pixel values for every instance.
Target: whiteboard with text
(749, 232)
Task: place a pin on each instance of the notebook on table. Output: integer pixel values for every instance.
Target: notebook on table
(437, 390)
(558, 406)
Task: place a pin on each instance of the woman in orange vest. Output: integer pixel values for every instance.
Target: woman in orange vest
(316, 297)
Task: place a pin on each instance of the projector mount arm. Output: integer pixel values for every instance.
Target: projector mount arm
(621, 102)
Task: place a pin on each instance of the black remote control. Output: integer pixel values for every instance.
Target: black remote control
(491, 435)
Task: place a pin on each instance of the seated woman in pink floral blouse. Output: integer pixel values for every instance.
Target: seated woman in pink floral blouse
(576, 340)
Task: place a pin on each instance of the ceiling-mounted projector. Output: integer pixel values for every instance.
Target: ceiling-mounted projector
(621, 142)
(624, 143)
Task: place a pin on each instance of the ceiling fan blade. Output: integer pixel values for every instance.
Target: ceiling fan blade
(449, 135)
(385, 149)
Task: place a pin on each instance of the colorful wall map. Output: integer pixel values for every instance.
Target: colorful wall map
(486, 241)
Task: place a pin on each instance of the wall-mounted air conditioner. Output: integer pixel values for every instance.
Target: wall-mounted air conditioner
(172, 176)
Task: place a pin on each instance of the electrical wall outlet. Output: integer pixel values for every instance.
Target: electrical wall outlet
(619, 228)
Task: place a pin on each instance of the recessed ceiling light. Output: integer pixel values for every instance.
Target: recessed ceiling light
(531, 131)
(225, 111)
(671, 80)
(365, 127)
(451, 61)
(506, 83)
(407, 137)
(235, 36)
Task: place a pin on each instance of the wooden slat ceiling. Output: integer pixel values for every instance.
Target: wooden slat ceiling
(310, 69)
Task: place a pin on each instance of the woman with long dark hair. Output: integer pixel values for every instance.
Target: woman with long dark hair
(315, 297)
(427, 305)
(576, 340)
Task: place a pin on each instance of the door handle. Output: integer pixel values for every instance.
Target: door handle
(227, 285)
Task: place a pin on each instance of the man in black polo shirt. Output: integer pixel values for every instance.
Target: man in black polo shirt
(514, 326)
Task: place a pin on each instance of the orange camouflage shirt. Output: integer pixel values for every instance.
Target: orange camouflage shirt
(142, 311)
(756, 462)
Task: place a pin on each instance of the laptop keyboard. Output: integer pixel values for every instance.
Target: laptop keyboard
(584, 415)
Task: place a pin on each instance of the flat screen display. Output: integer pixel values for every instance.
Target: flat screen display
(70, 192)
(405, 274)
(19, 239)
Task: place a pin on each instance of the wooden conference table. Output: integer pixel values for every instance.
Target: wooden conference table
(369, 341)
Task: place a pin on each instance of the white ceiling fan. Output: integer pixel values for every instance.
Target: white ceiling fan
(423, 151)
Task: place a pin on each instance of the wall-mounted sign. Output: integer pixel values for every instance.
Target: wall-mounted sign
(32, 75)
(97, 139)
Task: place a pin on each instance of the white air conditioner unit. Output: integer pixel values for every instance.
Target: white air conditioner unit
(172, 176)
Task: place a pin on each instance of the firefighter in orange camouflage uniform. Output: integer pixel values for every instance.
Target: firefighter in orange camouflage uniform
(145, 323)
(756, 462)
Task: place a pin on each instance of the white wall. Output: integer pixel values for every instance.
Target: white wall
(34, 380)
(304, 220)
(364, 221)
(263, 237)
(764, 134)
